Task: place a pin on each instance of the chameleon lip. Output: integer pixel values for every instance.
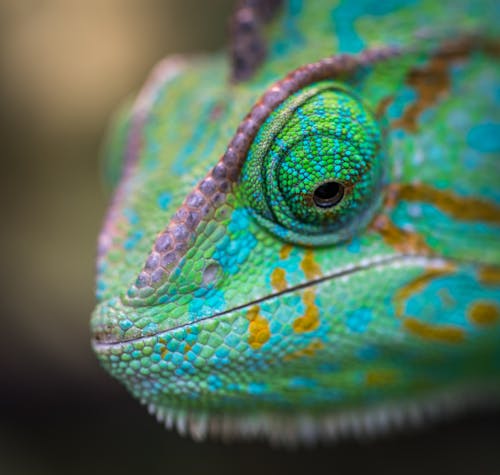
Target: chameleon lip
(102, 339)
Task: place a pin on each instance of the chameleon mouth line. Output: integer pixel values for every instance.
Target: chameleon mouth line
(374, 263)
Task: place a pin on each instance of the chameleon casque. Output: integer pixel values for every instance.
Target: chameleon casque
(304, 240)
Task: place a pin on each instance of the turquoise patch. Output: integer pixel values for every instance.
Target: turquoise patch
(125, 324)
(302, 383)
(257, 388)
(348, 12)
(485, 138)
(164, 200)
(359, 320)
(133, 239)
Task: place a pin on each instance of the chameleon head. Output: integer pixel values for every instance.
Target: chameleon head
(304, 274)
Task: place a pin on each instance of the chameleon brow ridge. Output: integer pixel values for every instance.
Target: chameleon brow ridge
(172, 243)
(374, 263)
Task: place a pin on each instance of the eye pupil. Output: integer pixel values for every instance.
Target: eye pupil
(328, 194)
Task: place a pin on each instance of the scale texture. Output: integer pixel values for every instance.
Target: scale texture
(305, 242)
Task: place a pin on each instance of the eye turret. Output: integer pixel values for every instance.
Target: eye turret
(313, 173)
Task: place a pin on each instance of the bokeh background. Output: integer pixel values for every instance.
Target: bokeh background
(64, 67)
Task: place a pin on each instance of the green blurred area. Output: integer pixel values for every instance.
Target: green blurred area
(65, 65)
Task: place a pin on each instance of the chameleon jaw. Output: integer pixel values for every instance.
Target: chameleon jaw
(202, 418)
(110, 327)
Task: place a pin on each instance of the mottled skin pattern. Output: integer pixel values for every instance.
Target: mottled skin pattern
(230, 302)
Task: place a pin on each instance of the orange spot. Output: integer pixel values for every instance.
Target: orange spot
(309, 265)
(443, 333)
(285, 251)
(380, 377)
(310, 320)
(308, 350)
(382, 106)
(459, 207)
(432, 81)
(258, 328)
(416, 285)
(278, 279)
(406, 242)
(483, 313)
(489, 275)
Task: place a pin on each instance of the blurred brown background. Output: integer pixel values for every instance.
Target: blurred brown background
(64, 67)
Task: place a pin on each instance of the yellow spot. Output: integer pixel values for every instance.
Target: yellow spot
(490, 275)
(443, 333)
(285, 251)
(416, 285)
(187, 348)
(484, 313)
(278, 279)
(258, 328)
(380, 377)
(164, 350)
(310, 266)
(310, 320)
(308, 350)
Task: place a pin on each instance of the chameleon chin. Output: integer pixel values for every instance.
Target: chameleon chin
(304, 243)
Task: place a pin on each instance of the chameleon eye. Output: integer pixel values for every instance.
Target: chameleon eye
(313, 173)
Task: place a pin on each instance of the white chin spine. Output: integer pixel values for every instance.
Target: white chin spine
(308, 429)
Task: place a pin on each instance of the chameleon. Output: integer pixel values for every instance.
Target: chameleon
(303, 241)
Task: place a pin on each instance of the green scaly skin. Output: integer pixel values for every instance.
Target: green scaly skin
(339, 267)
